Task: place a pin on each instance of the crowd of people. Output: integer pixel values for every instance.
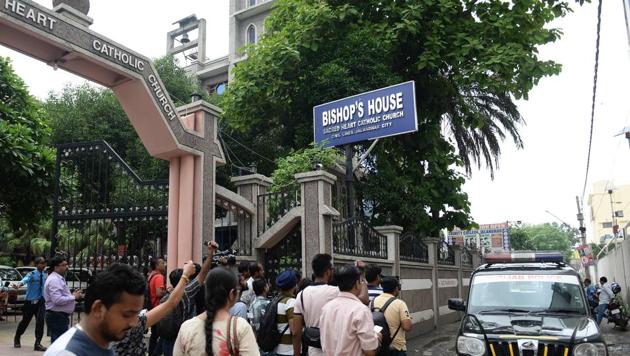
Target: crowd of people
(218, 310)
(598, 297)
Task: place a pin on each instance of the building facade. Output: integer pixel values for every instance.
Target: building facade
(246, 24)
(609, 207)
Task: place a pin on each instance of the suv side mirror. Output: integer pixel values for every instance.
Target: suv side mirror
(456, 304)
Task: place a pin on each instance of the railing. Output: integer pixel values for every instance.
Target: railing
(467, 258)
(445, 253)
(412, 249)
(355, 237)
(273, 206)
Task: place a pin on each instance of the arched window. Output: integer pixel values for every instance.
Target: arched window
(251, 3)
(251, 34)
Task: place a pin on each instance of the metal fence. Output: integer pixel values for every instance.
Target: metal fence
(445, 254)
(355, 237)
(273, 206)
(412, 249)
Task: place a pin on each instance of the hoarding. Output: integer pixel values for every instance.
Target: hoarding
(379, 113)
(490, 236)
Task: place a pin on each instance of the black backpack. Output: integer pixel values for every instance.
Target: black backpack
(268, 335)
(168, 326)
(378, 316)
(147, 294)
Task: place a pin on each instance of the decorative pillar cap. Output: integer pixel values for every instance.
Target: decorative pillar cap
(75, 14)
(199, 105)
(315, 176)
(257, 179)
(389, 229)
(431, 240)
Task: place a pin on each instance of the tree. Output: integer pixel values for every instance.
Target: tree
(469, 61)
(27, 160)
(86, 113)
(542, 237)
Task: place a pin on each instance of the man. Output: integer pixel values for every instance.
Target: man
(605, 296)
(255, 271)
(185, 309)
(60, 302)
(396, 315)
(346, 326)
(240, 307)
(373, 277)
(112, 304)
(33, 305)
(258, 307)
(590, 290)
(157, 289)
(310, 301)
(286, 283)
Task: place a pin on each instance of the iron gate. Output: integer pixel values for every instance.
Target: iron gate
(287, 254)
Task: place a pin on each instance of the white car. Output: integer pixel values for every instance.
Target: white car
(10, 276)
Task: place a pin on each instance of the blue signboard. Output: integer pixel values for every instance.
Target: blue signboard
(380, 113)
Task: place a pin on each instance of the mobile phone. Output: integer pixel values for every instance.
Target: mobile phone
(378, 328)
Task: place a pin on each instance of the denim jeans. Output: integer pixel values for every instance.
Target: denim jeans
(58, 323)
(600, 312)
(167, 346)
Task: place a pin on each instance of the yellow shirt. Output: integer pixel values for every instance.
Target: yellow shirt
(395, 313)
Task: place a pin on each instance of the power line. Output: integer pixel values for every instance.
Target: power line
(247, 148)
(590, 140)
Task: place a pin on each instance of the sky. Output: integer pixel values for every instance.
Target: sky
(547, 174)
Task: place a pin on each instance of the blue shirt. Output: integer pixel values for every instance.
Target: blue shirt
(34, 281)
(590, 293)
(239, 309)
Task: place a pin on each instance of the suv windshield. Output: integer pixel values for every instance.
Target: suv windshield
(9, 275)
(525, 293)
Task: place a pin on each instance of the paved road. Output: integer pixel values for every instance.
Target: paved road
(440, 342)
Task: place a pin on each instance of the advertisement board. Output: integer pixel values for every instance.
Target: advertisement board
(379, 113)
(490, 236)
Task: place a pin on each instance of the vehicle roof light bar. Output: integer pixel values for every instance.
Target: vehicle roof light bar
(520, 257)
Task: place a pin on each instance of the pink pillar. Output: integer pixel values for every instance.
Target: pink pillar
(186, 199)
(173, 212)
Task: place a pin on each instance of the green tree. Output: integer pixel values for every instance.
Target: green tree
(542, 237)
(27, 160)
(469, 61)
(86, 113)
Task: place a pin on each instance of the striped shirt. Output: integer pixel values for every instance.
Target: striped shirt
(374, 291)
(285, 313)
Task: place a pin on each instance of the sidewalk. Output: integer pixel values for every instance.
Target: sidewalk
(439, 342)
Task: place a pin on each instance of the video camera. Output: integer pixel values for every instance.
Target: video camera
(227, 256)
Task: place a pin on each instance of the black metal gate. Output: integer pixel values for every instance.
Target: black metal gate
(287, 254)
(104, 213)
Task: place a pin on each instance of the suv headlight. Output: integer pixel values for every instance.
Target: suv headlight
(588, 349)
(471, 346)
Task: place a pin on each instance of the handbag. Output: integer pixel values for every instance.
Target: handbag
(310, 336)
(233, 349)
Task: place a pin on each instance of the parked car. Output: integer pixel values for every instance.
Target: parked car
(78, 278)
(9, 276)
(25, 270)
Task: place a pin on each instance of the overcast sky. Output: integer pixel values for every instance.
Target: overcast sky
(546, 175)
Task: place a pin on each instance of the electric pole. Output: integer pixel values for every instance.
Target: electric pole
(580, 218)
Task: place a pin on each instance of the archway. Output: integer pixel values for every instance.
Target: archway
(186, 136)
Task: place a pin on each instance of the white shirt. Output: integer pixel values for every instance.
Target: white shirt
(606, 294)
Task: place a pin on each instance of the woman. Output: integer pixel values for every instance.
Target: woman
(216, 332)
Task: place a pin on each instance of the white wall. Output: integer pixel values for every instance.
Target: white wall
(616, 267)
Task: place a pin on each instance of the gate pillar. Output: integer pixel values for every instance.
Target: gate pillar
(192, 188)
(318, 213)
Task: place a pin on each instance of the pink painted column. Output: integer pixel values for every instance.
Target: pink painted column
(173, 212)
(186, 199)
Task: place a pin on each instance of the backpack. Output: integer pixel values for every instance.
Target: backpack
(378, 316)
(269, 336)
(168, 326)
(147, 294)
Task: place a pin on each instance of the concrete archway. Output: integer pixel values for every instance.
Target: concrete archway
(186, 136)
